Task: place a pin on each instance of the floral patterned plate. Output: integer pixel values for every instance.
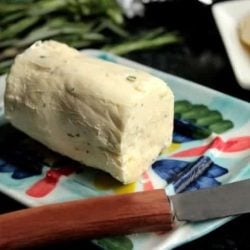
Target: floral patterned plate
(211, 145)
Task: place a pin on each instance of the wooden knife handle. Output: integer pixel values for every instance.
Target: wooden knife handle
(86, 219)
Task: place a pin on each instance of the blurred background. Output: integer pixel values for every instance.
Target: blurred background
(176, 36)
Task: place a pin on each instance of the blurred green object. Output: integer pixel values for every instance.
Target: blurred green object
(79, 23)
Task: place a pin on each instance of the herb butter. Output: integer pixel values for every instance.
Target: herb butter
(101, 114)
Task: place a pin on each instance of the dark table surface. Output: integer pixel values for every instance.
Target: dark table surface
(201, 57)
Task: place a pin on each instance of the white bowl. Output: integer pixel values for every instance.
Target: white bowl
(227, 16)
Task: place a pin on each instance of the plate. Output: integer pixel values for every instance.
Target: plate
(227, 16)
(208, 129)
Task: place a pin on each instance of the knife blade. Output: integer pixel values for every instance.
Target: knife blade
(211, 203)
(119, 214)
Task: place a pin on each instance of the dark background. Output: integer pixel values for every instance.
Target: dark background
(201, 57)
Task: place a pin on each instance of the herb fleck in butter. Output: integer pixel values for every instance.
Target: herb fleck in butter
(131, 78)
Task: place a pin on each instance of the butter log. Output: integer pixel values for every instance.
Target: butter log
(101, 114)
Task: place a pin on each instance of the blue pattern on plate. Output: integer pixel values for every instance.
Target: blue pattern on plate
(189, 176)
(18, 172)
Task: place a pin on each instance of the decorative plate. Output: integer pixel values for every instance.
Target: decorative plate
(211, 142)
(227, 16)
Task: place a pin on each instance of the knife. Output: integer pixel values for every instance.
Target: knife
(119, 214)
